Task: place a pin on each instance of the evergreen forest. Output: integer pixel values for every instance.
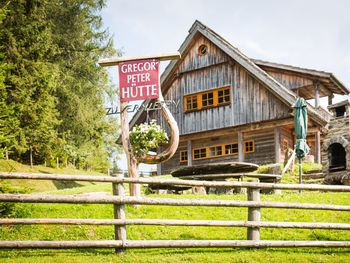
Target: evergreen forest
(52, 91)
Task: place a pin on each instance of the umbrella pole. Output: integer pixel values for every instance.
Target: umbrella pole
(300, 173)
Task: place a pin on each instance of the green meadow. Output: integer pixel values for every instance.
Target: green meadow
(56, 232)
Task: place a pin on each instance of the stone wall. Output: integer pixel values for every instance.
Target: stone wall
(339, 132)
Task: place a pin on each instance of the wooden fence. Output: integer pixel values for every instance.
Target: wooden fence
(119, 200)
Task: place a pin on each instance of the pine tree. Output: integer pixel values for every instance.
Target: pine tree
(50, 83)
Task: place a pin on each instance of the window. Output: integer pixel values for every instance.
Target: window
(231, 148)
(199, 153)
(202, 50)
(224, 96)
(183, 157)
(249, 146)
(215, 151)
(191, 103)
(208, 99)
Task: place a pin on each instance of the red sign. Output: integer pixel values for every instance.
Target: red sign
(139, 79)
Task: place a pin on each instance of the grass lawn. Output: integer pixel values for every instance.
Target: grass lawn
(55, 232)
(47, 232)
(44, 185)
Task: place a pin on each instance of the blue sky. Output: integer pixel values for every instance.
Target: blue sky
(310, 34)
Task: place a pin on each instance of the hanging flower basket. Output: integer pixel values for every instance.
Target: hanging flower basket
(146, 137)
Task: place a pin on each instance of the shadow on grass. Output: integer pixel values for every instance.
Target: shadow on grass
(66, 184)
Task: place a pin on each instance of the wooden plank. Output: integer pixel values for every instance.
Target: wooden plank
(171, 222)
(78, 199)
(223, 176)
(253, 233)
(318, 147)
(310, 187)
(135, 189)
(215, 168)
(119, 213)
(240, 147)
(277, 140)
(242, 128)
(189, 152)
(170, 244)
(317, 95)
(289, 163)
(115, 61)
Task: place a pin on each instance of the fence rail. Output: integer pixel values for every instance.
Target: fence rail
(117, 180)
(119, 200)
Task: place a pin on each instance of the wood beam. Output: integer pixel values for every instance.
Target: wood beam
(277, 132)
(189, 153)
(330, 99)
(318, 147)
(115, 61)
(240, 147)
(317, 95)
(241, 128)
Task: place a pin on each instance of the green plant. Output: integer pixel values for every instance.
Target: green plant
(12, 209)
(145, 137)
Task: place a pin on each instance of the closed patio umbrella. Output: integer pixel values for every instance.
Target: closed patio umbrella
(300, 126)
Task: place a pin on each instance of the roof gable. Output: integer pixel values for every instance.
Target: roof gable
(282, 93)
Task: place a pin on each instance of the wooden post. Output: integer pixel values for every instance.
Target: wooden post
(253, 233)
(159, 169)
(189, 153)
(119, 213)
(277, 132)
(31, 156)
(240, 147)
(57, 163)
(317, 95)
(330, 99)
(135, 189)
(7, 155)
(318, 147)
(174, 137)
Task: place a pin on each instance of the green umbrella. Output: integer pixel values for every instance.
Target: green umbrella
(300, 125)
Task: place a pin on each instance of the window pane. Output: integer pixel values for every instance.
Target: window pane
(218, 150)
(212, 151)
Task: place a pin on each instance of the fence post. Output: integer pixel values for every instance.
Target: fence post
(119, 213)
(253, 233)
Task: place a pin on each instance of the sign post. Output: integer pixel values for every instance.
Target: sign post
(139, 80)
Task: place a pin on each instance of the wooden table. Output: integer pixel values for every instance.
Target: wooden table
(215, 168)
(222, 172)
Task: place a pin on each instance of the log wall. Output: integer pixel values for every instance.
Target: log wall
(264, 141)
(290, 81)
(250, 101)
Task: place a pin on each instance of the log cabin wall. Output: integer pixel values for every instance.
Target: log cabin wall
(264, 146)
(250, 100)
(264, 149)
(212, 141)
(290, 81)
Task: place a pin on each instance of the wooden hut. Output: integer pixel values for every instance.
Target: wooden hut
(233, 108)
